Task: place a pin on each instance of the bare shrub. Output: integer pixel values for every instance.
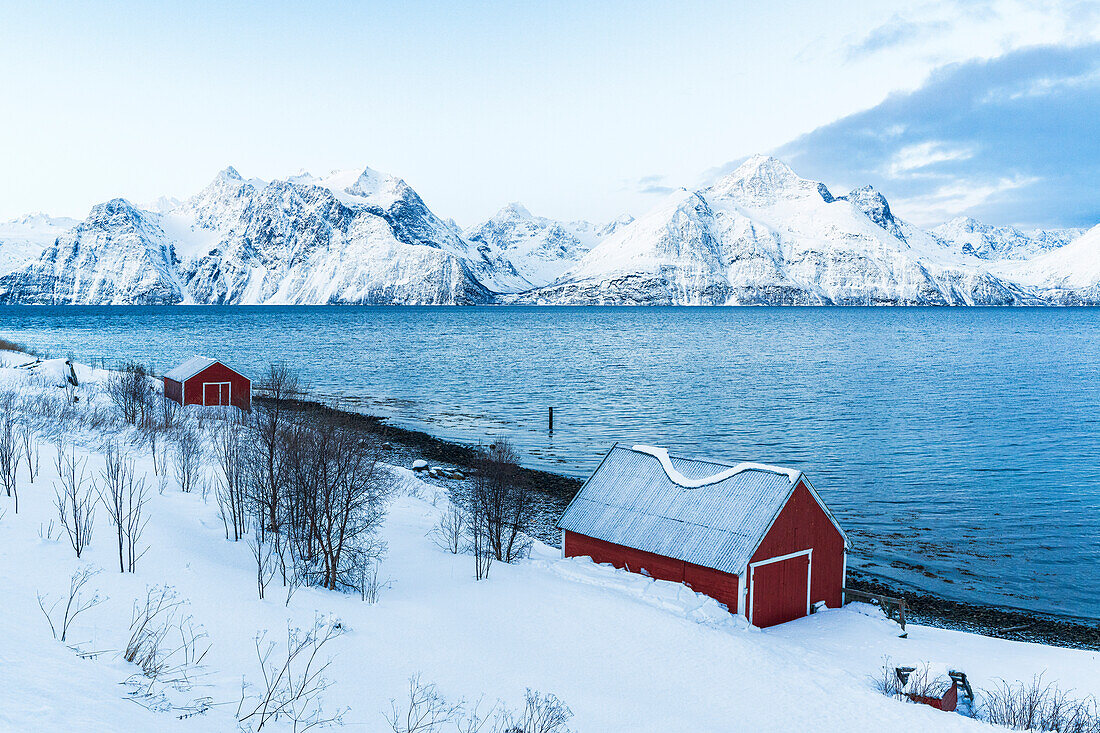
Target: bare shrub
(132, 394)
(124, 496)
(6, 345)
(907, 683)
(75, 501)
(292, 681)
(449, 534)
(369, 584)
(165, 642)
(540, 714)
(232, 488)
(263, 554)
(426, 710)
(187, 457)
(76, 603)
(503, 506)
(1039, 706)
(9, 449)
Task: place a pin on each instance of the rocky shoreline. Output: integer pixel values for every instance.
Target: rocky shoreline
(405, 445)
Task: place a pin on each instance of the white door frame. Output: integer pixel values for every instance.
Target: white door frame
(780, 558)
(219, 386)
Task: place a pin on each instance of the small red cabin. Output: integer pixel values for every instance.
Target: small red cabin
(204, 381)
(757, 538)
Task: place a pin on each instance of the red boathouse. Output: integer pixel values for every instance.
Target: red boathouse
(204, 381)
(757, 538)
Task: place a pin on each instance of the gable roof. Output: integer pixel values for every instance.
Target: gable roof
(189, 368)
(705, 512)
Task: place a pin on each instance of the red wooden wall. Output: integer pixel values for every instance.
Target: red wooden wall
(193, 390)
(714, 583)
(801, 525)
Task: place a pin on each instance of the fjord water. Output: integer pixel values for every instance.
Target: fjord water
(959, 447)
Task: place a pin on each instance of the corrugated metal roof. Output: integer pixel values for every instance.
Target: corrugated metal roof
(631, 500)
(189, 368)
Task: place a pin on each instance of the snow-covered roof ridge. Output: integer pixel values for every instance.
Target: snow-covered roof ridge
(189, 368)
(696, 483)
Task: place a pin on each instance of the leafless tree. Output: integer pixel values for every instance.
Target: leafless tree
(477, 528)
(30, 452)
(269, 423)
(503, 505)
(232, 488)
(350, 485)
(76, 603)
(124, 496)
(131, 393)
(264, 555)
(75, 501)
(168, 410)
(293, 680)
(449, 534)
(9, 450)
(186, 457)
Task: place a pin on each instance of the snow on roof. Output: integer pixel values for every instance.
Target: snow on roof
(705, 512)
(694, 483)
(189, 368)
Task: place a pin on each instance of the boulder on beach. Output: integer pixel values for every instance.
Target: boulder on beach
(420, 465)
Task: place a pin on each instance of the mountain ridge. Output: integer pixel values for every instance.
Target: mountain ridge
(759, 235)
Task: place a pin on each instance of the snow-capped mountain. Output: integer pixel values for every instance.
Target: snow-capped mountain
(23, 239)
(535, 248)
(969, 236)
(118, 255)
(761, 235)
(346, 238)
(351, 237)
(764, 235)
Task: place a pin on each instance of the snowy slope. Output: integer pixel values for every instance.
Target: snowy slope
(624, 652)
(536, 249)
(967, 235)
(24, 239)
(1069, 274)
(764, 235)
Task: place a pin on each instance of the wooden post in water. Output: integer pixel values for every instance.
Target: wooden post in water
(551, 420)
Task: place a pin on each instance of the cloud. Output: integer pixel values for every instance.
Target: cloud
(653, 185)
(1009, 140)
(895, 32)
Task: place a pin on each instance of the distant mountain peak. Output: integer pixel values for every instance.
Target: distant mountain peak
(762, 180)
(514, 209)
(228, 173)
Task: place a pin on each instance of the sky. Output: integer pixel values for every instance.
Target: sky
(577, 109)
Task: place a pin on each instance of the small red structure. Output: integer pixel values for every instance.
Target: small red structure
(204, 381)
(757, 538)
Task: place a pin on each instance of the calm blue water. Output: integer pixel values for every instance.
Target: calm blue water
(960, 447)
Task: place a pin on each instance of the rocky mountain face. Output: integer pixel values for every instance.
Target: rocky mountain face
(23, 239)
(118, 255)
(761, 235)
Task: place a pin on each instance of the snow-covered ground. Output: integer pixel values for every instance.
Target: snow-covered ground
(624, 652)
